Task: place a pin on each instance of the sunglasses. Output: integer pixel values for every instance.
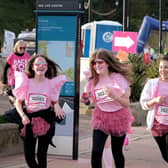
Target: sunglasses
(22, 48)
(40, 65)
(97, 62)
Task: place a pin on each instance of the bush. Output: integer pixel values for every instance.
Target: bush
(141, 72)
(2, 119)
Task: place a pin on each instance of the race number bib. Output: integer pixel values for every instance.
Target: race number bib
(101, 97)
(162, 110)
(162, 114)
(37, 99)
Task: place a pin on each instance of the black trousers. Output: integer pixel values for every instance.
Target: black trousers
(162, 142)
(29, 150)
(99, 139)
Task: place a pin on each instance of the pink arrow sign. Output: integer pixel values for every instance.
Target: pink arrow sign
(125, 41)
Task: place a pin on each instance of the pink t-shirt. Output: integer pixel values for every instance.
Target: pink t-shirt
(117, 83)
(38, 96)
(161, 110)
(17, 63)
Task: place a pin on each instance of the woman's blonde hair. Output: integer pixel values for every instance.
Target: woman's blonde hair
(18, 44)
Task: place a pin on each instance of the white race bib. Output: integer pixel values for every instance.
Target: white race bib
(37, 99)
(101, 97)
(162, 114)
(162, 110)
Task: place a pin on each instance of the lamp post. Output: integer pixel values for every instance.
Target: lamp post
(125, 15)
(117, 4)
(90, 11)
(160, 27)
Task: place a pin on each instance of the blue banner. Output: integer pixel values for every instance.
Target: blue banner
(104, 35)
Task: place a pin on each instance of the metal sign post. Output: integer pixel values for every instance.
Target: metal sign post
(58, 30)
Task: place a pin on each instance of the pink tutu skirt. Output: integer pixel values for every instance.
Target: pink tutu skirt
(159, 129)
(115, 123)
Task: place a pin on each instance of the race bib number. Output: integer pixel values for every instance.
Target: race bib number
(162, 110)
(162, 114)
(101, 97)
(37, 99)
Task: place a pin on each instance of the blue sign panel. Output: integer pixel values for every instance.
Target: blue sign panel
(56, 37)
(57, 28)
(104, 35)
(68, 89)
(87, 43)
(57, 40)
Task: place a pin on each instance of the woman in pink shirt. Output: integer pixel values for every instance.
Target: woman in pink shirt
(108, 87)
(39, 88)
(154, 98)
(16, 61)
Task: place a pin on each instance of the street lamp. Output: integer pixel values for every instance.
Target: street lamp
(116, 4)
(160, 26)
(88, 6)
(90, 11)
(125, 15)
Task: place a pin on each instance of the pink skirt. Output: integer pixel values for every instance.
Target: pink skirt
(159, 129)
(115, 123)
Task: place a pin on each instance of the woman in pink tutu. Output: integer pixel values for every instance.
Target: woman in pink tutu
(109, 88)
(39, 89)
(154, 98)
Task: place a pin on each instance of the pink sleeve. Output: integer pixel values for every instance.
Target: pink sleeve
(56, 85)
(89, 90)
(87, 74)
(89, 87)
(122, 82)
(9, 59)
(21, 83)
(27, 55)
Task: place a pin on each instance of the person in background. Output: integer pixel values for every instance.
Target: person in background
(109, 88)
(153, 54)
(147, 57)
(16, 61)
(39, 87)
(154, 97)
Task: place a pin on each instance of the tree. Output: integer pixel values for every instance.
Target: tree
(16, 15)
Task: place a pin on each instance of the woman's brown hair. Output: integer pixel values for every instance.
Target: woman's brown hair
(51, 72)
(114, 64)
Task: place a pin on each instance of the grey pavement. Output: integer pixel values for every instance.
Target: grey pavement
(142, 151)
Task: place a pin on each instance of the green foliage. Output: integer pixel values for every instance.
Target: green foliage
(141, 72)
(16, 15)
(70, 73)
(139, 76)
(103, 8)
(2, 119)
(152, 71)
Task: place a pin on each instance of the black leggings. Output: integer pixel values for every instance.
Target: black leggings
(99, 139)
(162, 142)
(29, 151)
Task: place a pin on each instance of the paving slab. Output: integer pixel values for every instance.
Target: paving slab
(142, 152)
